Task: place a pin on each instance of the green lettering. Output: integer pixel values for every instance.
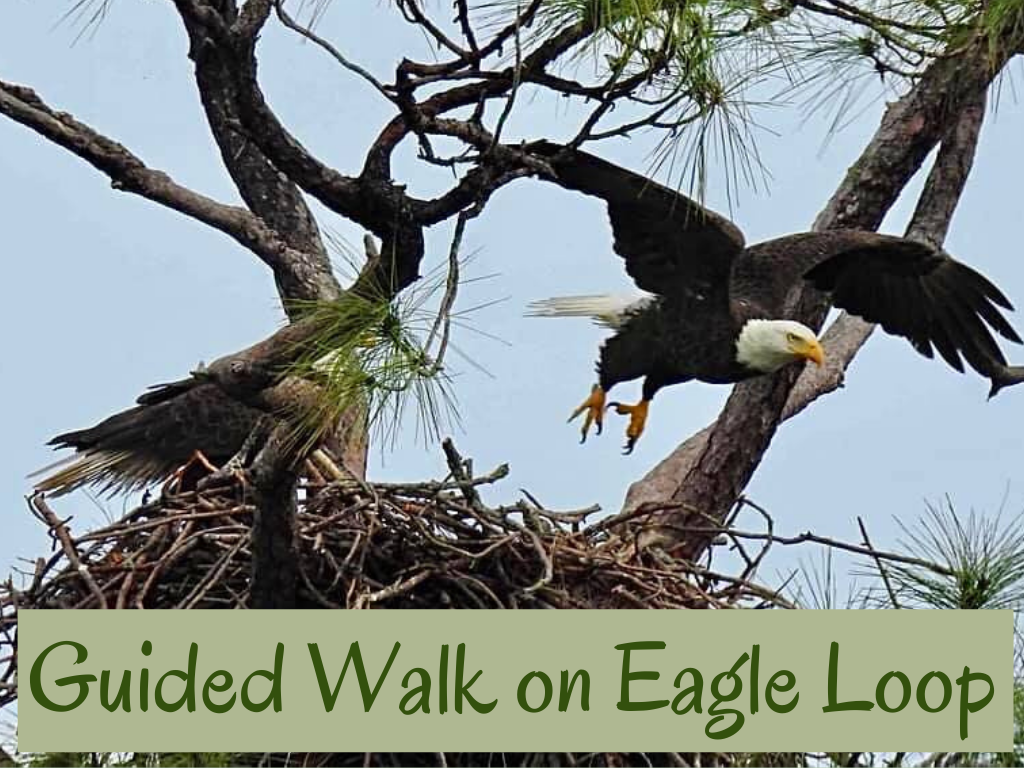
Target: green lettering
(423, 689)
(966, 705)
(922, 689)
(755, 665)
(524, 684)
(123, 691)
(624, 703)
(147, 648)
(210, 685)
(35, 683)
(275, 685)
(720, 714)
(565, 690)
(694, 691)
(354, 656)
(463, 690)
(833, 685)
(772, 685)
(442, 681)
(880, 691)
(189, 694)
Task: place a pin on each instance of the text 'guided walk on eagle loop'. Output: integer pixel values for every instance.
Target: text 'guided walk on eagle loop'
(435, 680)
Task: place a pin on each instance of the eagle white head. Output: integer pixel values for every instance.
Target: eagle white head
(767, 345)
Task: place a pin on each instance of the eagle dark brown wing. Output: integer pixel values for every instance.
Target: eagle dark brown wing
(909, 288)
(147, 443)
(672, 246)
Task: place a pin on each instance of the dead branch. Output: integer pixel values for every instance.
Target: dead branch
(128, 173)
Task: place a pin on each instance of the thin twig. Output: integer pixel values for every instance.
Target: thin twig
(878, 562)
(59, 529)
(314, 38)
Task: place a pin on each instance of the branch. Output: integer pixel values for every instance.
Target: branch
(129, 174)
(414, 15)
(59, 530)
(427, 73)
(880, 565)
(250, 21)
(807, 537)
(217, 45)
(709, 471)
(333, 52)
(421, 116)
(243, 122)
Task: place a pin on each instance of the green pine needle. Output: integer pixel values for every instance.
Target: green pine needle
(985, 556)
(369, 354)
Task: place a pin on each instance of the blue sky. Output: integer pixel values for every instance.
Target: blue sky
(105, 294)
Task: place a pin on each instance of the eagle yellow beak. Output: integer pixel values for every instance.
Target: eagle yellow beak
(811, 350)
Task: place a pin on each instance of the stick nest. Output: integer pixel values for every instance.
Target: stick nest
(360, 545)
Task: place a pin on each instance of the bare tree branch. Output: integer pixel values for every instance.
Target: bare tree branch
(129, 174)
(242, 120)
(217, 40)
(333, 52)
(251, 19)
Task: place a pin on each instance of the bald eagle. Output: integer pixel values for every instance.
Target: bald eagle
(712, 309)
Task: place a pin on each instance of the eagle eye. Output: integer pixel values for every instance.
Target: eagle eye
(792, 336)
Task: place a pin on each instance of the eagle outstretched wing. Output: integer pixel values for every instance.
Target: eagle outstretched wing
(672, 246)
(909, 288)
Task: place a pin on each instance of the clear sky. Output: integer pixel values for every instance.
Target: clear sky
(104, 294)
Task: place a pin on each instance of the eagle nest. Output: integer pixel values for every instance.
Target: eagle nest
(366, 545)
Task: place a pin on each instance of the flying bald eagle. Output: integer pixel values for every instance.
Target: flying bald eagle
(714, 310)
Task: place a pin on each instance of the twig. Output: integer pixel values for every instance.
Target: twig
(457, 467)
(59, 529)
(314, 38)
(517, 74)
(878, 562)
(807, 536)
(443, 320)
(398, 588)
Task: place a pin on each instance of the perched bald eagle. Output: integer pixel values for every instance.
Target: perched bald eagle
(713, 310)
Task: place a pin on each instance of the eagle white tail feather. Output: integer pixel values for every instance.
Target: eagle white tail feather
(607, 309)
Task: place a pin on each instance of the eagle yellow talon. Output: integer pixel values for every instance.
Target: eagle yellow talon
(594, 407)
(637, 420)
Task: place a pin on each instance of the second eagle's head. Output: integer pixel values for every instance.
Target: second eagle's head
(767, 345)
